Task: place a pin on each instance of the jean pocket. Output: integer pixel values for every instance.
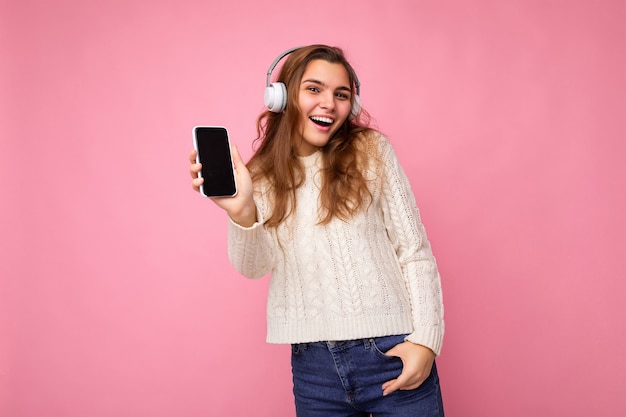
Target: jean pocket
(381, 345)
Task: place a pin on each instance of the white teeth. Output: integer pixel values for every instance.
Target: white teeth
(322, 119)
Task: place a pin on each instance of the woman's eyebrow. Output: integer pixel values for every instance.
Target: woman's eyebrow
(318, 82)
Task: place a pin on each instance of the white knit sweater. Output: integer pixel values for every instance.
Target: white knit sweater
(374, 275)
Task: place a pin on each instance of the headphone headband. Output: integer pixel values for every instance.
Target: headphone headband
(276, 61)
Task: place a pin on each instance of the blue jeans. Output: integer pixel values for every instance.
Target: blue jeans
(344, 379)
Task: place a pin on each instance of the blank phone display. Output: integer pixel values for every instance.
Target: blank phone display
(213, 149)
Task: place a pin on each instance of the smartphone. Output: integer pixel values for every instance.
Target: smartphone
(213, 147)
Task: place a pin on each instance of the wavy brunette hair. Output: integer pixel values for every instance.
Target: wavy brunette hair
(344, 187)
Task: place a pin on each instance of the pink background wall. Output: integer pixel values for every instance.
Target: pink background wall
(116, 296)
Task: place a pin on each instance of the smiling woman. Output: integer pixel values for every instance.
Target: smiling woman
(327, 209)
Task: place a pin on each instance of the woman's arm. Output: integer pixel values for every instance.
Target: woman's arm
(419, 269)
(247, 248)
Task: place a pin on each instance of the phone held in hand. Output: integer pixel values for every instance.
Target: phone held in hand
(213, 152)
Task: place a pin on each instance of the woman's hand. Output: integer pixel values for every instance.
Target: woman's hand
(417, 363)
(241, 207)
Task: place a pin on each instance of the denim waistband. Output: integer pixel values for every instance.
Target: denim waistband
(334, 345)
(344, 344)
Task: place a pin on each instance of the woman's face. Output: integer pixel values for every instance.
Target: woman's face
(324, 100)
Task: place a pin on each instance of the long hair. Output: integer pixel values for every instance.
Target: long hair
(344, 187)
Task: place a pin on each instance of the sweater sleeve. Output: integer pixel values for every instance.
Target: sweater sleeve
(248, 248)
(414, 254)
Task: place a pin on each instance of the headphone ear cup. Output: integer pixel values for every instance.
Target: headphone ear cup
(275, 97)
(356, 108)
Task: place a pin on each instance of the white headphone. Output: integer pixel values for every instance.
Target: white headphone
(275, 97)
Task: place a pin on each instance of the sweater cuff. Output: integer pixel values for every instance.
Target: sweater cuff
(432, 338)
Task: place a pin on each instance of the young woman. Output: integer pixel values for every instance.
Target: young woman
(325, 206)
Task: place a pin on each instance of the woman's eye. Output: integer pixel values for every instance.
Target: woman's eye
(343, 96)
(313, 89)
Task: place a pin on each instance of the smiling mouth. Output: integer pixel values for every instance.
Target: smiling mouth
(321, 121)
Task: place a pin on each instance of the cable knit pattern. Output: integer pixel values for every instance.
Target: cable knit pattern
(372, 276)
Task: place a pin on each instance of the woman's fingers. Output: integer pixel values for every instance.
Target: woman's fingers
(194, 168)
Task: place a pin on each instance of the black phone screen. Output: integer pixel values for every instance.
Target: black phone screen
(213, 149)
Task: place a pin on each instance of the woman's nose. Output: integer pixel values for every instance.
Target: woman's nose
(327, 100)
